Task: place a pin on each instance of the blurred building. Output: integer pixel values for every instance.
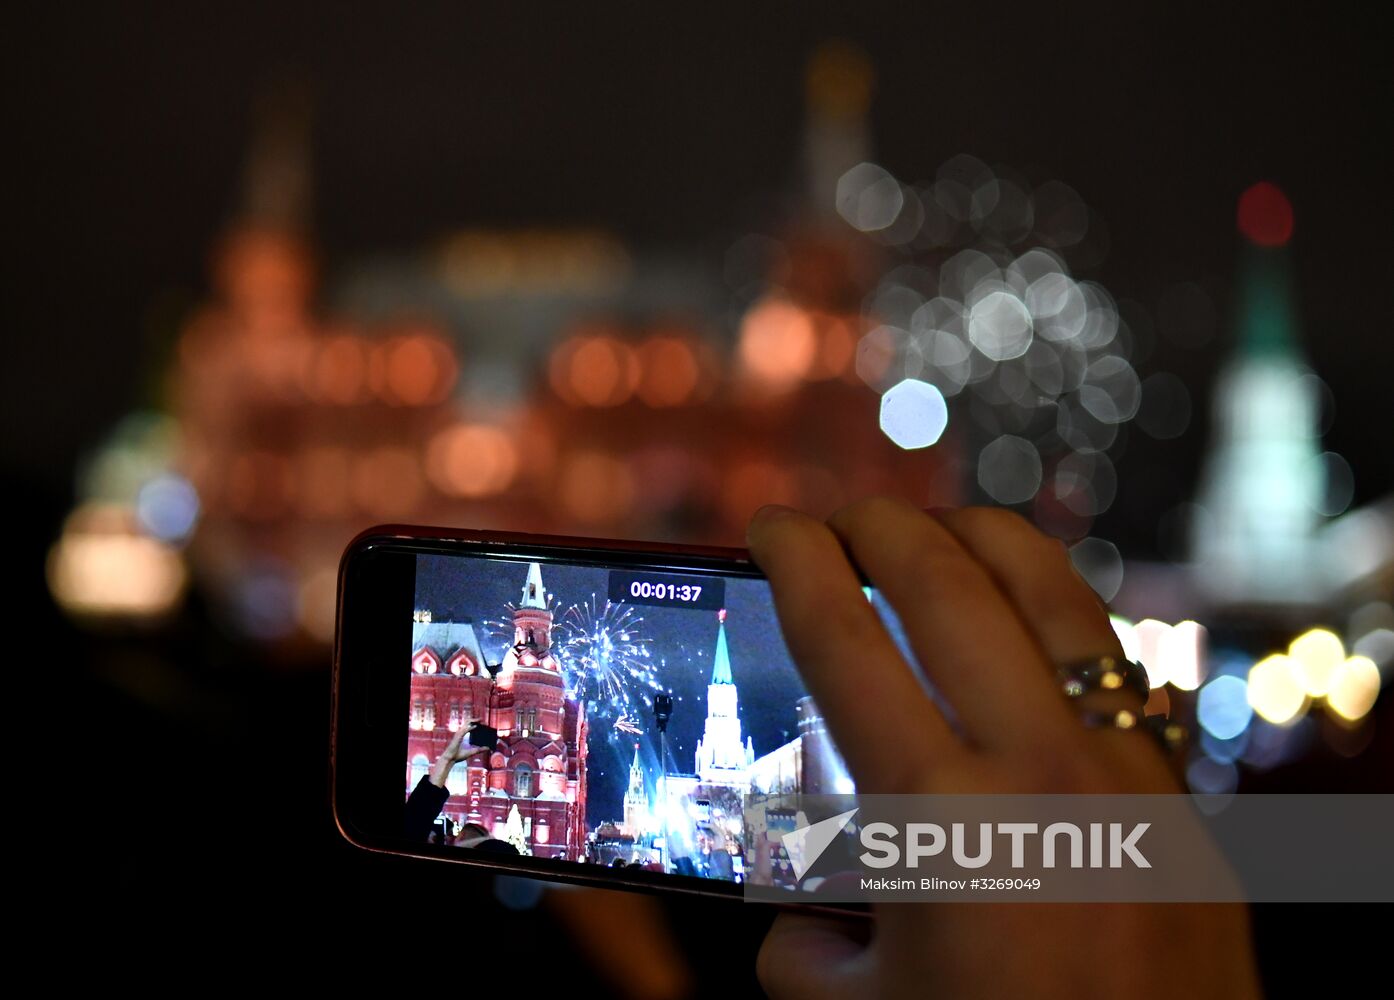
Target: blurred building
(1256, 534)
(538, 380)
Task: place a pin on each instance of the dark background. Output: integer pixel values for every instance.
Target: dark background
(130, 130)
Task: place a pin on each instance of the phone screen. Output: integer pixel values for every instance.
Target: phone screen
(636, 710)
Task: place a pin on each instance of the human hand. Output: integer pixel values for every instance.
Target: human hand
(455, 751)
(990, 607)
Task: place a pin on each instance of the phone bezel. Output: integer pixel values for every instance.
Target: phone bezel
(377, 576)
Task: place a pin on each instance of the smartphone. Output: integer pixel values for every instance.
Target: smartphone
(481, 735)
(636, 694)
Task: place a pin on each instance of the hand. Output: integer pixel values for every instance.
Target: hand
(989, 606)
(455, 751)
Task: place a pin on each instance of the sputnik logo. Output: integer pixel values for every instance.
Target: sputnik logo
(807, 844)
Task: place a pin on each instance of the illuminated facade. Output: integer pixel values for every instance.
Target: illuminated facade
(533, 786)
(808, 764)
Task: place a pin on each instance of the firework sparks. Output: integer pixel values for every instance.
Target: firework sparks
(500, 630)
(606, 655)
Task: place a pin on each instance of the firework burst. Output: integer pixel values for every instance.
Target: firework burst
(603, 648)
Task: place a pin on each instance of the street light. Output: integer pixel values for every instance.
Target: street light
(662, 712)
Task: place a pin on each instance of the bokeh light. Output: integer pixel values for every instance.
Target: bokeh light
(914, 414)
(1101, 565)
(1127, 638)
(1009, 469)
(1223, 708)
(999, 325)
(877, 355)
(670, 372)
(414, 370)
(869, 198)
(1315, 655)
(1265, 215)
(595, 369)
(1354, 686)
(167, 507)
(777, 342)
(101, 566)
(1276, 690)
(472, 460)
(1182, 652)
(1206, 776)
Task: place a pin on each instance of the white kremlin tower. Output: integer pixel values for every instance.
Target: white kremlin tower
(1254, 541)
(722, 759)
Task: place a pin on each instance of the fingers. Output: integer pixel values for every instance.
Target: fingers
(452, 747)
(965, 631)
(1066, 617)
(1035, 572)
(814, 957)
(862, 685)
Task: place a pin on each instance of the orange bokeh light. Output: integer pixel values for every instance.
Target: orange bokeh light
(777, 341)
(472, 460)
(602, 371)
(670, 371)
(416, 369)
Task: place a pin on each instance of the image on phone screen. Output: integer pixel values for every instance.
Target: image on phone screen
(635, 713)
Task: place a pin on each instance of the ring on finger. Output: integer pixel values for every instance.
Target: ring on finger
(1170, 736)
(1103, 673)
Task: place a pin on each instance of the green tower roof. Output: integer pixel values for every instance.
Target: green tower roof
(1267, 319)
(721, 662)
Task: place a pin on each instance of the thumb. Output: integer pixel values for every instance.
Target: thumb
(815, 957)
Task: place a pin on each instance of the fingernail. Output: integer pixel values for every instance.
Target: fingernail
(773, 510)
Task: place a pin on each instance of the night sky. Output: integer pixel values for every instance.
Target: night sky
(456, 588)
